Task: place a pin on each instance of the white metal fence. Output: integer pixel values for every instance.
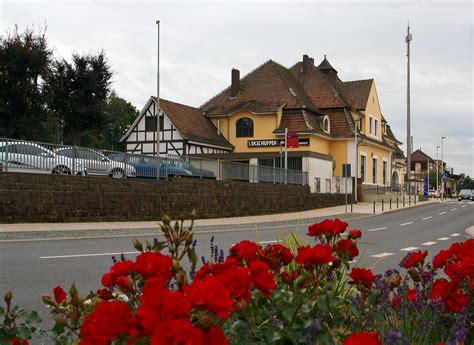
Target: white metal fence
(36, 157)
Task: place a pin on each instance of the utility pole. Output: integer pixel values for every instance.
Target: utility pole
(356, 170)
(442, 169)
(437, 172)
(286, 154)
(408, 39)
(157, 104)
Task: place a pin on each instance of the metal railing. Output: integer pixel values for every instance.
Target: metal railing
(36, 157)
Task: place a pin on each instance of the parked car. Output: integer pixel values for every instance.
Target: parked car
(146, 166)
(196, 172)
(432, 193)
(96, 163)
(22, 156)
(465, 194)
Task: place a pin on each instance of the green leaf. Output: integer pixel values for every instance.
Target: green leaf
(32, 317)
(354, 310)
(2, 311)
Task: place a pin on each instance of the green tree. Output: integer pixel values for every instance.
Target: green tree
(25, 63)
(78, 93)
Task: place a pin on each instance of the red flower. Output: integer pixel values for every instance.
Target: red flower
(288, 278)
(355, 233)
(59, 294)
(320, 254)
(347, 246)
(440, 290)
(104, 294)
(19, 341)
(456, 300)
(123, 283)
(215, 336)
(177, 332)
(263, 279)
(414, 258)
(441, 258)
(106, 323)
(157, 305)
(363, 338)
(245, 251)
(362, 276)
(411, 295)
(121, 268)
(151, 264)
(276, 255)
(210, 294)
(327, 227)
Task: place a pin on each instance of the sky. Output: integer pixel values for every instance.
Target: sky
(200, 42)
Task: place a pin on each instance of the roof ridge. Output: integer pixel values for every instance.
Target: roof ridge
(354, 81)
(241, 79)
(177, 103)
(336, 92)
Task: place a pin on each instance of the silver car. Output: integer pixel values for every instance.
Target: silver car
(22, 156)
(96, 163)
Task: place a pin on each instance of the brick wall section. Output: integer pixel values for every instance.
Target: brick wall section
(55, 198)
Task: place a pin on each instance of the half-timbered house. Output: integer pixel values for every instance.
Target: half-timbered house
(184, 130)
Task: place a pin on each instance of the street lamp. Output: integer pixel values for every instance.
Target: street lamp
(442, 169)
(437, 173)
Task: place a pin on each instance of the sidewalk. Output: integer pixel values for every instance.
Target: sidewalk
(361, 208)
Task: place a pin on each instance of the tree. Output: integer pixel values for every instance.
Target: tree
(120, 114)
(78, 94)
(25, 63)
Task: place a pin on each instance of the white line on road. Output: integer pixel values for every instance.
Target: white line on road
(453, 209)
(429, 243)
(409, 249)
(377, 229)
(265, 242)
(352, 261)
(406, 223)
(425, 217)
(441, 213)
(461, 206)
(381, 255)
(85, 255)
(455, 235)
(443, 238)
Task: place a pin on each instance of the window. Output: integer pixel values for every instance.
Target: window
(317, 184)
(384, 172)
(360, 124)
(328, 185)
(150, 123)
(385, 128)
(371, 125)
(374, 170)
(363, 164)
(326, 125)
(376, 126)
(244, 128)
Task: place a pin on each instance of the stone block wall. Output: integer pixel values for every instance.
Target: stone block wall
(32, 198)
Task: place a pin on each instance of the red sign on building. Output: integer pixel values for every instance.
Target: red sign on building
(292, 140)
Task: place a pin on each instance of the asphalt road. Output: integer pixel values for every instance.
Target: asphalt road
(31, 268)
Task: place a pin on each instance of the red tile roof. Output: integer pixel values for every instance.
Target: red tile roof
(356, 92)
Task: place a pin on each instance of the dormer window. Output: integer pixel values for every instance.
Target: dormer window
(326, 125)
(244, 128)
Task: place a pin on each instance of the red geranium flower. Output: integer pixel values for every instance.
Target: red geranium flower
(414, 258)
(355, 233)
(320, 254)
(59, 294)
(347, 246)
(263, 279)
(276, 255)
(411, 295)
(151, 264)
(19, 341)
(106, 323)
(456, 300)
(362, 276)
(327, 227)
(440, 290)
(179, 332)
(245, 251)
(363, 338)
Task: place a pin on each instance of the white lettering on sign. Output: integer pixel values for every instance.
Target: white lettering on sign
(274, 142)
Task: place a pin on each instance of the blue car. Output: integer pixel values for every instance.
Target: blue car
(146, 166)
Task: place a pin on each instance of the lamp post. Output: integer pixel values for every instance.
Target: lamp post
(442, 169)
(437, 172)
(408, 39)
(157, 104)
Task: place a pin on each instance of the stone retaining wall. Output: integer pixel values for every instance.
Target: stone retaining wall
(26, 198)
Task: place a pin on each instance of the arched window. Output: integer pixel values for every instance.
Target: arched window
(244, 128)
(326, 125)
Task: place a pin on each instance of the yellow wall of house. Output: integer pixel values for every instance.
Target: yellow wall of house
(373, 151)
(373, 110)
(338, 150)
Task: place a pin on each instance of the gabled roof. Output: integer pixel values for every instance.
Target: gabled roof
(267, 88)
(420, 156)
(325, 65)
(189, 121)
(356, 92)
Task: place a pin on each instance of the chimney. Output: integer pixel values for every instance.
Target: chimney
(307, 62)
(235, 86)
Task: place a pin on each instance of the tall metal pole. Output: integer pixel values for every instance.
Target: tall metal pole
(437, 172)
(356, 170)
(286, 154)
(408, 38)
(442, 169)
(157, 104)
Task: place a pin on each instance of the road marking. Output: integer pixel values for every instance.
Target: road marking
(352, 261)
(381, 255)
(429, 243)
(409, 249)
(463, 206)
(443, 238)
(377, 229)
(406, 223)
(264, 242)
(455, 235)
(427, 218)
(85, 255)
(454, 209)
(441, 213)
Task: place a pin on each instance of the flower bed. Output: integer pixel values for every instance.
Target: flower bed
(286, 293)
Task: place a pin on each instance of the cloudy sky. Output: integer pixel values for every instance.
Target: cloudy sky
(202, 41)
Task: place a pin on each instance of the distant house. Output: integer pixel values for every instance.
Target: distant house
(183, 131)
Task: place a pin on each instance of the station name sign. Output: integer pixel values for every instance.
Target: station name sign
(274, 142)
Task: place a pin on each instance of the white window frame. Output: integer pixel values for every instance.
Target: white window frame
(364, 154)
(326, 119)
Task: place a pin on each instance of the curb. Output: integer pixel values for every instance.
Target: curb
(470, 231)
